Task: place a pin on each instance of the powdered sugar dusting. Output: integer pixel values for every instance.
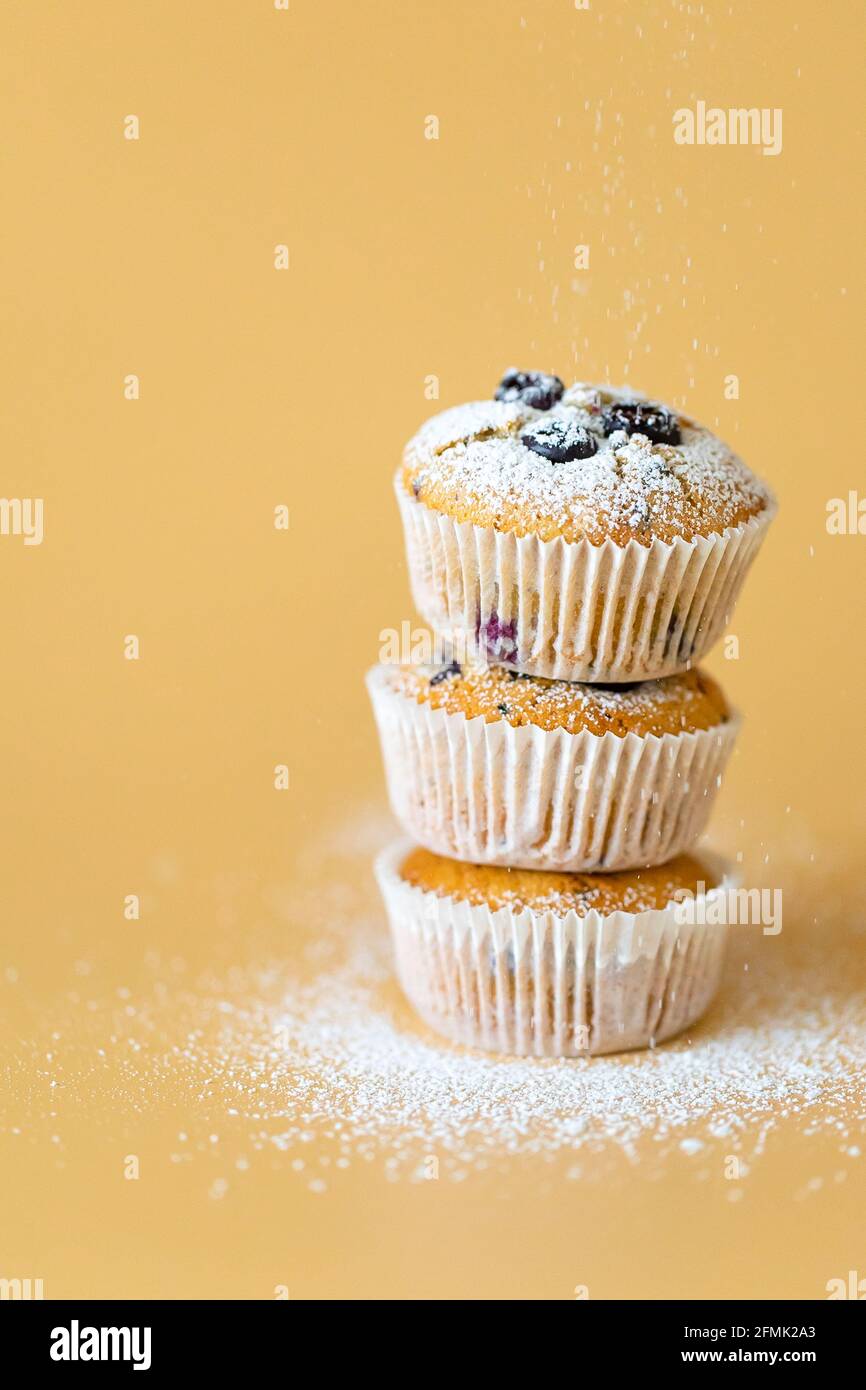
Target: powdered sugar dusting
(473, 456)
(670, 705)
(627, 890)
(310, 1047)
(366, 1066)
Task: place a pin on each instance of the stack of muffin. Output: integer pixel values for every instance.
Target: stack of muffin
(575, 551)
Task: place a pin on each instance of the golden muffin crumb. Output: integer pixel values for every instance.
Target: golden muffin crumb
(633, 890)
(676, 704)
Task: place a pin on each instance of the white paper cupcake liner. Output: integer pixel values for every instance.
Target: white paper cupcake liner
(538, 984)
(572, 610)
(544, 799)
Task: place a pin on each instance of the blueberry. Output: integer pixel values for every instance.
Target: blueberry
(536, 389)
(559, 440)
(497, 640)
(447, 673)
(642, 417)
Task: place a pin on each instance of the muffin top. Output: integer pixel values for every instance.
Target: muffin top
(588, 463)
(674, 705)
(634, 890)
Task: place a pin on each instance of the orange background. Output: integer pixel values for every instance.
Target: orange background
(408, 257)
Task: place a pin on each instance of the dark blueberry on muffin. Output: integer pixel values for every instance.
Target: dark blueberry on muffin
(447, 673)
(559, 440)
(535, 389)
(642, 417)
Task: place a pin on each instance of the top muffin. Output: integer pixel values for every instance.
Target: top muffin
(585, 462)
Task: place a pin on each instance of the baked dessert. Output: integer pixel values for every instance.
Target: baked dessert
(585, 534)
(549, 964)
(494, 767)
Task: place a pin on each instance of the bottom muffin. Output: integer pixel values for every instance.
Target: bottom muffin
(552, 964)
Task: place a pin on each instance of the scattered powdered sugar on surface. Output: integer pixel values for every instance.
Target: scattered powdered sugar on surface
(474, 451)
(316, 1047)
(291, 1041)
(788, 1040)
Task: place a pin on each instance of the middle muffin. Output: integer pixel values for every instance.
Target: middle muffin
(493, 767)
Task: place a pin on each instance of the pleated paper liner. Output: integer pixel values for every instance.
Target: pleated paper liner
(572, 610)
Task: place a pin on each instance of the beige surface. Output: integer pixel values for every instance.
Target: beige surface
(408, 257)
